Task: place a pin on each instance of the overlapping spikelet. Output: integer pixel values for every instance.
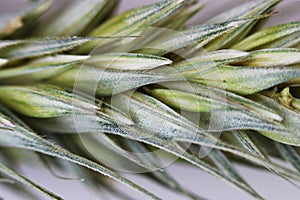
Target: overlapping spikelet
(237, 79)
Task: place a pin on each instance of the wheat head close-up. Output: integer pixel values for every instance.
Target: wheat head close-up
(160, 99)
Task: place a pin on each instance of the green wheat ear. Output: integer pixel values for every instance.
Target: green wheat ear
(226, 75)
